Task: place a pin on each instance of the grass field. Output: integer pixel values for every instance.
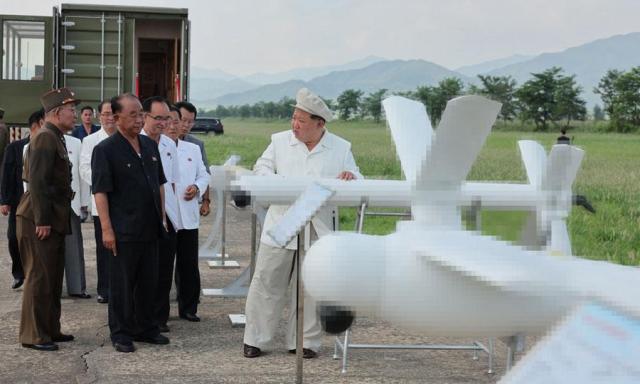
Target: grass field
(610, 178)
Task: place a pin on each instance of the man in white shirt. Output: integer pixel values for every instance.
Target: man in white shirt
(308, 149)
(73, 248)
(156, 119)
(190, 187)
(102, 254)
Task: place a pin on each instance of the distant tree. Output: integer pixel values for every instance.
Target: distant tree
(569, 105)
(349, 103)
(285, 107)
(435, 98)
(330, 103)
(221, 111)
(372, 104)
(598, 113)
(499, 88)
(549, 97)
(607, 90)
(245, 111)
(620, 93)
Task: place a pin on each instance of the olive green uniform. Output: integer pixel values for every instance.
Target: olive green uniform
(46, 203)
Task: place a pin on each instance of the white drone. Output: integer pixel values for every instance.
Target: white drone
(433, 276)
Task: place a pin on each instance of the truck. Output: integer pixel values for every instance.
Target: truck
(99, 51)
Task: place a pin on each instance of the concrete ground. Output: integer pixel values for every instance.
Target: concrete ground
(211, 351)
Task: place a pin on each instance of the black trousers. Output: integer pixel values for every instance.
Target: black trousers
(187, 273)
(166, 258)
(14, 251)
(102, 260)
(133, 280)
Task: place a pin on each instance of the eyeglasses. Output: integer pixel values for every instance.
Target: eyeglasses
(106, 114)
(159, 118)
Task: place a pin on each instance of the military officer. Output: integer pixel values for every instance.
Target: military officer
(308, 149)
(43, 222)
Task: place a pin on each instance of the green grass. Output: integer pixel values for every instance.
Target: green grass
(609, 177)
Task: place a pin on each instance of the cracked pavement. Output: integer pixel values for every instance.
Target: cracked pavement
(211, 351)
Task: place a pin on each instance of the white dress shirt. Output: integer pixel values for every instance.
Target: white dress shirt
(88, 144)
(169, 157)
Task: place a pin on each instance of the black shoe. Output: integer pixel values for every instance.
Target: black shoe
(42, 347)
(190, 317)
(163, 328)
(251, 352)
(82, 295)
(102, 300)
(17, 283)
(126, 347)
(62, 338)
(306, 353)
(158, 339)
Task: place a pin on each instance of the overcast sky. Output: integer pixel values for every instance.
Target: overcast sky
(243, 37)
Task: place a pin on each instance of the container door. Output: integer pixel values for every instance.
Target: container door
(91, 55)
(26, 68)
(184, 62)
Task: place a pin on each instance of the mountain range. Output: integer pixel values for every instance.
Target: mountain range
(589, 62)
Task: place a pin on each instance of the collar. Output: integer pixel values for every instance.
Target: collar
(53, 128)
(324, 143)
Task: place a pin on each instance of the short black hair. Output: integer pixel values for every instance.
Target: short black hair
(116, 105)
(148, 102)
(189, 107)
(102, 103)
(563, 131)
(36, 116)
(173, 108)
(85, 108)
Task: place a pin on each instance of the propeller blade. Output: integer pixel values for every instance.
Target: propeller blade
(562, 167)
(464, 127)
(560, 243)
(411, 132)
(534, 159)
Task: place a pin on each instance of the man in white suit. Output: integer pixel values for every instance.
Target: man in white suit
(156, 120)
(190, 187)
(108, 128)
(74, 270)
(308, 149)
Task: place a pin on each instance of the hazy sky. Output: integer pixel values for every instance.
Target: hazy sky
(243, 37)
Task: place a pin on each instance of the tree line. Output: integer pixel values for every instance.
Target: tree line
(549, 98)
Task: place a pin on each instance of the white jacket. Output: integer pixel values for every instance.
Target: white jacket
(288, 156)
(88, 144)
(169, 157)
(74, 146)
(192, 171)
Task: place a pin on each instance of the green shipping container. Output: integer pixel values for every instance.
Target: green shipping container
(98, 51)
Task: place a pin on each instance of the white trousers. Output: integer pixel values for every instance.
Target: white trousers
(271, 280)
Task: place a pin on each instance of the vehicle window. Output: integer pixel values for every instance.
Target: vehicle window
(23, 50)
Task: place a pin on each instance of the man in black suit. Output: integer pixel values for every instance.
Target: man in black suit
(11, 190)
(128, 183)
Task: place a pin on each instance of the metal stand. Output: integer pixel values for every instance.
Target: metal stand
(219, 264)
(240, 286)
(299, 306)
(344, 346)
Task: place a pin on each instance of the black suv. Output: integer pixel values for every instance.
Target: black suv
(208, 124)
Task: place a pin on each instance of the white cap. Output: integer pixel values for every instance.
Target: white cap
(313, 104)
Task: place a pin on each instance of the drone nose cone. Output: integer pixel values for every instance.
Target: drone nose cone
(335, 319)
(345, 269)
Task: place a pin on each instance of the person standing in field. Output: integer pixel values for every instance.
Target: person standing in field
(307, 149)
